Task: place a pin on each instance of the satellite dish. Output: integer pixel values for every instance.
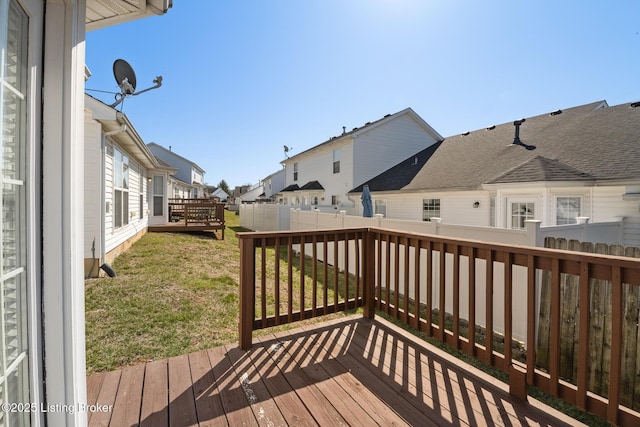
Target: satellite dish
(125, 76)
(126, 80)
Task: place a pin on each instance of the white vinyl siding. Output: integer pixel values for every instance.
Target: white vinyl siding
(14, 375)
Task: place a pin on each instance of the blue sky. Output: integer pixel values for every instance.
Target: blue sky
(243, 78)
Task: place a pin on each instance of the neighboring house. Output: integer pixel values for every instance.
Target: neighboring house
(125, 185)
(218, 193)
(189, 178)
(323, 175)
(42, 126)
(273, 184)
(579, 162)
(253, 193)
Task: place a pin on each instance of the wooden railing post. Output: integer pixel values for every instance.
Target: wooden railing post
(247, 291)
(369, 270)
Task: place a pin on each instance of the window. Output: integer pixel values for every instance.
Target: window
(295, 171)
(567, 209)
(141, 180)
(336, 161)
(120, 188)
(314, 200)
(14, 374)
(335, 200)
(380, 207)
(158, 195)
(430, 209)
(520, 212)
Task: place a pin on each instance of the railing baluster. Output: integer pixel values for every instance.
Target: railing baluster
(314, 275)
(489, 312)
(388, 276)
(345, 271)
(405, 308)
(336, 271)
(416, 285)
(263, 282)
(471, 332)
(554, 344)
(379, 275)
(325, 273)
(616, 345)
(583, 339)
(396, 278)
(290, 279)
(302, 278)
(531, 314)
(429, 290)
(443, 286)
(456, 296)
(508, 310)
(276, 284)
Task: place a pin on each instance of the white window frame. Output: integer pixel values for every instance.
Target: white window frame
(521, 200)
(158, 195)
(429, 209)
(295, 171)
(336, 160)
(121, 184)
(571, 220)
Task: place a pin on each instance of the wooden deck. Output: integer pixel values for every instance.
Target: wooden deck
(350, 371)
(193, 215)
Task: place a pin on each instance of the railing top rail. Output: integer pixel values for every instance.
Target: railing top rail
(565, 255)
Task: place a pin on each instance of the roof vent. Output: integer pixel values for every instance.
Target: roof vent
(415, 160)
(555, 113)
(355, 128)
(367, 124)
(492, 127)
(344, 130)
(387, 115)
(464, 133)
(516, 138)
(635, 104)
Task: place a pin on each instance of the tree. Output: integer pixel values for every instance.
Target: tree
(223, 184)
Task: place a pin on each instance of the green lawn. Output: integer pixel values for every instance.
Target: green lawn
(174, 294)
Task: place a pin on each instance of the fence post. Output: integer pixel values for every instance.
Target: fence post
(247, 290)
(584, 221)
(532, 228)
(369, 270)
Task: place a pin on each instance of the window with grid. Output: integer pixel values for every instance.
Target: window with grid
(567, 209)
(158, 195)
(295, 171)
(120, 188)
(14, 375)
(520, 212)
(430, 209)
(336, 161)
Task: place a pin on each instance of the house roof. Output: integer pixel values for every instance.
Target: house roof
(366, 128)
(589, 142)
(401, 174)
(153, 144)
(292, 187)
(312, 185)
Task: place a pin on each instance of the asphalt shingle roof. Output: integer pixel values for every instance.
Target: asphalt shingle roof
(580, 143)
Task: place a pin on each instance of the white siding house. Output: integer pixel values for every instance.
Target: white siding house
(323, 175)
(189, 177)
(42, 128)
(118, 177)
(580, 162)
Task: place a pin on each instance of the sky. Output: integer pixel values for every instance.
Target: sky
(244, 78)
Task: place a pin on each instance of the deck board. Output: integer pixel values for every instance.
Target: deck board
(348, 371)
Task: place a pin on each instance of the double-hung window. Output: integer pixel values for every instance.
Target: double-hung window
(567, 209)
(120, 188)
(295, 171)
(430, 209)
(336, 161)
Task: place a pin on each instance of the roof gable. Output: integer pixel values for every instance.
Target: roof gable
(367, 127)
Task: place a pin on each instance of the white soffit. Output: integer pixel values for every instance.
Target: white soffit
(104, 13)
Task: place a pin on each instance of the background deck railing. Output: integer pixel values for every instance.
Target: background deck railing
(196, 211)
(468, 294)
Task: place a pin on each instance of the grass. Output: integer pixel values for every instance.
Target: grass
(175, 293)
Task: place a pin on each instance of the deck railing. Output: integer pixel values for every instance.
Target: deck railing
(444, 288)
(196, 211)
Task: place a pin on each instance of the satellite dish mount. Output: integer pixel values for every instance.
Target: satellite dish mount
(126, 80)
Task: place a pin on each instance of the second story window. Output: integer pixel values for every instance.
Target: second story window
(295, 171)
(336, 161)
